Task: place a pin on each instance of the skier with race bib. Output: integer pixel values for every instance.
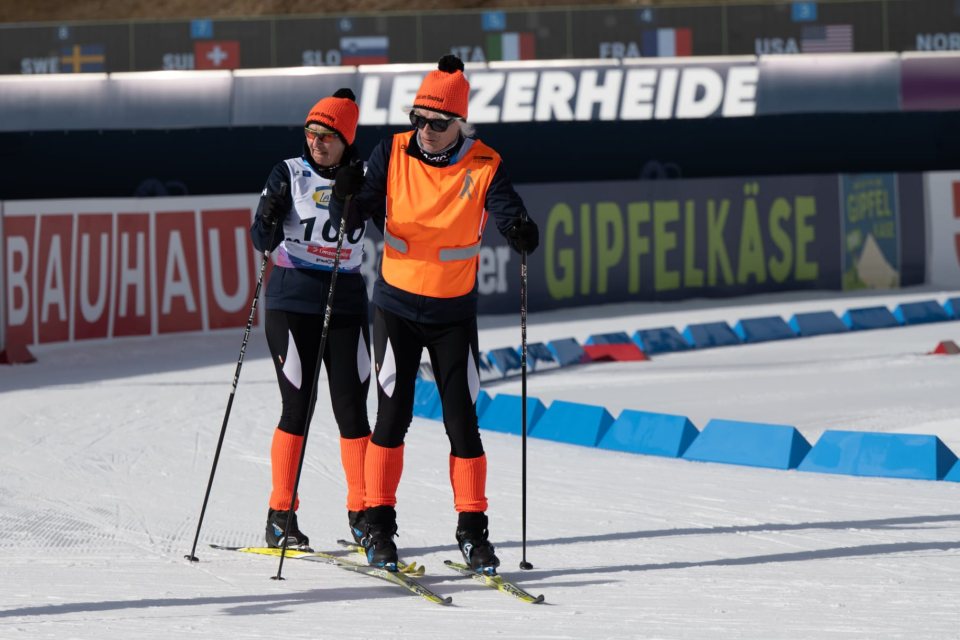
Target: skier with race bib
(293, 222)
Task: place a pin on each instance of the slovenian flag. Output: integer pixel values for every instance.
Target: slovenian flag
(364, 50)
(511, 46)
(667, 43)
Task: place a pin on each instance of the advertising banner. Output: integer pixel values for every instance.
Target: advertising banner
(871, 231)
(930, 83)
(99, 269)
(86, 269)
(943, 220)
(669, 240)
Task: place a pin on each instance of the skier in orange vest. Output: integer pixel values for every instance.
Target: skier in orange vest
(431, 192)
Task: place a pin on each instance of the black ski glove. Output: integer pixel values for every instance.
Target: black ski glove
(523, 236)
(348, 181)
(275, 206)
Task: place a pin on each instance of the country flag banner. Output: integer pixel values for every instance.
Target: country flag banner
(667, 43)
(364, 50)
(83, 58)
(511, 46)
(216, 54)
(831, 38)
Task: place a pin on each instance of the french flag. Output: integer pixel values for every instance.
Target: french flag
(364, 50)
(667, 43)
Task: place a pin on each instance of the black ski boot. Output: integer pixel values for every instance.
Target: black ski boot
(476, 549)
(276, 523)
(358, 523)
(378, 538)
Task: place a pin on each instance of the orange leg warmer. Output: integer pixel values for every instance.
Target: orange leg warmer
(468, 477)
(284, 458)
(352, 451)
(382, 470)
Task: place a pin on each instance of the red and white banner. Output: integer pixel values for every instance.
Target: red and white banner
(95, 269)
(943, 225)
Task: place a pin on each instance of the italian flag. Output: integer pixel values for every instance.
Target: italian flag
(510, 46)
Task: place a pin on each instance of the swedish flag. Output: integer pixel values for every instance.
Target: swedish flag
(83, 58)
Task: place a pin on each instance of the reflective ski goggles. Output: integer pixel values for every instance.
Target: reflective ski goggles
(436, 124)
(316, 134)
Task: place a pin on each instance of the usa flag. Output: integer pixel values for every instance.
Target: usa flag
(831, 38)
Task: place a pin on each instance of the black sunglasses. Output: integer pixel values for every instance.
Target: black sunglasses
(437, 124)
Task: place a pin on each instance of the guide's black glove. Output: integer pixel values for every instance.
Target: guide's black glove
(523, 236)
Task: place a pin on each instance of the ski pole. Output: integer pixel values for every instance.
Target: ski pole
(236, 378)
(327, 313)
(523, 399)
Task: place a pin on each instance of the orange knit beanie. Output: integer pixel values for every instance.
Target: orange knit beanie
(339, 113)
(445, 90)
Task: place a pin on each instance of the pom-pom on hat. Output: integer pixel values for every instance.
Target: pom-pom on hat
(445, 90)
(339, 113)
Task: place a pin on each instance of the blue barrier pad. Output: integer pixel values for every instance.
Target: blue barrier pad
(954, 474)
(504, 413)
(952, 307)
(619, 337)
(869, 318)
(749, 443)
(889, 455)
(567, 351)
(660, 340)
(763, 329)
(920, 312)
(505, 360)
(426, 400)
(817, 323)
(539, 357)
(574, 423)
(710, 334)
(488, 371)
(483, 401)
(655, 434)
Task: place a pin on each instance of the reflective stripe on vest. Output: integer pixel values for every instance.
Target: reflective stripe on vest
(435, 219)
(449, 254)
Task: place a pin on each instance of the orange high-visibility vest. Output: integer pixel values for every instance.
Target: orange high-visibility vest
(435, 219)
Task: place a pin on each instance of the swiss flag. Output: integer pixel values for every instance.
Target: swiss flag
(216, 54)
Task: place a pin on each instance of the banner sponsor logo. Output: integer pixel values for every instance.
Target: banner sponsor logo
(643, 241)
(112, 270)
(642, 93)
(871, 240)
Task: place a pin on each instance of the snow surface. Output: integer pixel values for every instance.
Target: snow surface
(105, 451)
